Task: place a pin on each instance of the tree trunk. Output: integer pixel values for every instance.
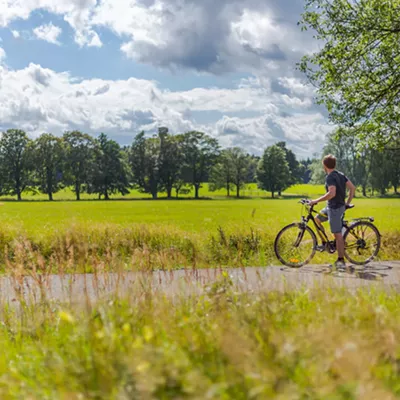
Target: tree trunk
(238, 191)
(196, 191)
(50, 196)
(364, 191)
(395, 188)
(280, 193)
(228, 189)
(78, 191)
(18, 189)
(169, 192)
(106, 196)
(155, 195)
(273, 194)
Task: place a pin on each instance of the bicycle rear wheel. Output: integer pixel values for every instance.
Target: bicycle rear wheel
(295, 245)
(362, 243)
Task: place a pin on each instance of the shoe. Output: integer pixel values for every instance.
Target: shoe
(321, 247)
(338, 265)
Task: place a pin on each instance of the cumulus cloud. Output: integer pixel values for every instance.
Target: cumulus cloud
(16, 34)
(76, 12)
(207, 36)
(41, 100)
(49, 33)
(256, 37)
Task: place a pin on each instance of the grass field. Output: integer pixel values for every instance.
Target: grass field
(250, 190)
(323, 345)
(174, 234)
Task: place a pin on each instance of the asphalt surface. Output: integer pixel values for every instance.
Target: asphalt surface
(80, 288)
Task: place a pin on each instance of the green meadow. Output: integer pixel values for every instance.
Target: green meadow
(167, 233)
(222, 344)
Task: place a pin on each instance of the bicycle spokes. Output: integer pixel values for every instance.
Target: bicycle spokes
(362, 243)
(295, 245)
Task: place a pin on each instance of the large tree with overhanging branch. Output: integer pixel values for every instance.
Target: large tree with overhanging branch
(356, 70)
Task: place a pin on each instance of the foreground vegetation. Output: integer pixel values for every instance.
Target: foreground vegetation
(222, 345)
(121, 235)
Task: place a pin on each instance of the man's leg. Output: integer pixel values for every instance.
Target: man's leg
(336, 222)
(321, 218)
(340, 245)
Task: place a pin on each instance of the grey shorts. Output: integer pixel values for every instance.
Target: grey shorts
(334, 216)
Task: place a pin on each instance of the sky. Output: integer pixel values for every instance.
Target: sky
(224, 67)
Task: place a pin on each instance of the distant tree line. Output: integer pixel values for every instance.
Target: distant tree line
(163, 163)
(373, 171)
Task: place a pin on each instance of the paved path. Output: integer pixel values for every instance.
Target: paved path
(78, 288)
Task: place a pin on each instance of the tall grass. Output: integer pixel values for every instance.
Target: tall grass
(225, 344)
(114, 248)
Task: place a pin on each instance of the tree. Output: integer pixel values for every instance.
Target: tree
(110, 173)
(356, 71)
(241, 164)
(318, 175)
(80, 153)
(15, 162)
(170, 160)
(394, 156)
(252, 170)
(305, 171)
(222, 173)
(200, 152)
(380, 171)
(273, 171)
(293, 164)
(48, 158)
(144, 159)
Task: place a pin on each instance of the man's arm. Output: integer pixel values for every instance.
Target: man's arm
(328, 196)
(352, 190)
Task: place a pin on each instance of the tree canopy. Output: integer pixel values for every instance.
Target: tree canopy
(356, 70)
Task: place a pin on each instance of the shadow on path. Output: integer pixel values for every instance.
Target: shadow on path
(375, 272)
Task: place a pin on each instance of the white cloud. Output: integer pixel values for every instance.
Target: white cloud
(16, 34)
(41, 100)
(49, 33)
(258, 37)
(76, 12)
(208, 35)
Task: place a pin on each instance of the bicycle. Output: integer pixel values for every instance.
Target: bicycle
(297, 244)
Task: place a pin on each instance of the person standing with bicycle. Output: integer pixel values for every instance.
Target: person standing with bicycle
(336, 185)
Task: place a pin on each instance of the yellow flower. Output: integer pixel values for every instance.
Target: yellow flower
(100, 334)
(143, 366)
(66, 317)
(148, 333)
(126, 328)
(138, 343)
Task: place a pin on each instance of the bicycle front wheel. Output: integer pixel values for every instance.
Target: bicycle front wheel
(295, 245)
(362, 243)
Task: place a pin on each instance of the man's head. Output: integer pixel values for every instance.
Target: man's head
(329, 163)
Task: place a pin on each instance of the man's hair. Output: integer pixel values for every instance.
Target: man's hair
(329, 161)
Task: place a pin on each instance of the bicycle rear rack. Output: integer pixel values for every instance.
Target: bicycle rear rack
(370, 219)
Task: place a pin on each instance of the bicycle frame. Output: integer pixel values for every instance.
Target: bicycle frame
(321, 232)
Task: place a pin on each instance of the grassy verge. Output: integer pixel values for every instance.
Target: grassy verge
(74, 237)
(224, 345)
(108, 247)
